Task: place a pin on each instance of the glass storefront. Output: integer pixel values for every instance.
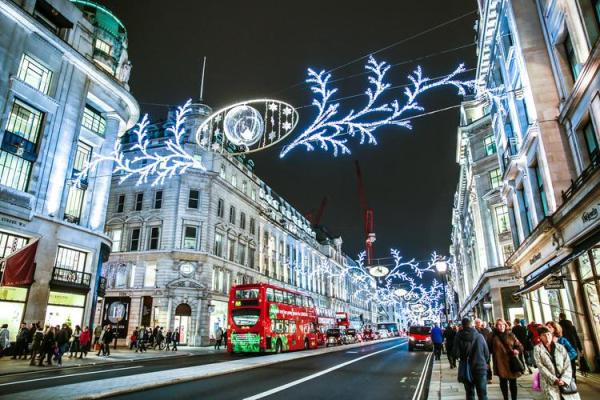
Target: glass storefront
(589, 279)
(218, 318)
(65, 308)
(12, 304)
(544, 305)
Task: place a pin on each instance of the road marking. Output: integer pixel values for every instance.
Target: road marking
(316, 375)
(421, 384)
(403, 380)
(352, 352)
(68, 375)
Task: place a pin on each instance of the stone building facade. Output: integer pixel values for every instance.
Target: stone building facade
(178, 247)
(63, 97)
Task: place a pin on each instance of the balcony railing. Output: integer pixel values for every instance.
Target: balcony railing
(583, 177)
(70, 278)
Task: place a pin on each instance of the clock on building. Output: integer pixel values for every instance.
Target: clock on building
(186, 269)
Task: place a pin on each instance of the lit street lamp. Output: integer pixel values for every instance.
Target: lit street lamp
(441, 267)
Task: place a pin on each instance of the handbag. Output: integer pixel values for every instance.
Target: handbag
(570, 388)
(514, 363)
(536, 385)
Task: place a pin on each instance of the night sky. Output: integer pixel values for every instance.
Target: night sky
(262, 48)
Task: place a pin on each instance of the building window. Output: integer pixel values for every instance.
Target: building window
(526, 213)
(245, 187)
(134, 243)
(70, 259)
(591, 141)
(220, 208)
(116, 235)
(523, 116)
(253, 194)
(139, 201)
(489, 145)
(93, 120)
(158, 197)
(231, 247)
(222, 172)
(121, 203)
(234, 180)
(541, 189)
(242, 220)
(502, 219)
(251, 256)
(10, 243)
(102, 46)
(241, 254)
(495, 178)
(507, 251)
(82, 156)
(150, 275)
(574, 66)
(218, 250)
(74, 204)
(34, 74)
(154, 241)
(252, 226)
(19, 146)
(232, 215)
(190, 237)
(193, 198)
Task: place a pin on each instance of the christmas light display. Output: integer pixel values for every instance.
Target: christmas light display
(329, 132)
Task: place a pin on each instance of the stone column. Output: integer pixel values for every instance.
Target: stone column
(169, 312)
(198, 331)
(497, 306)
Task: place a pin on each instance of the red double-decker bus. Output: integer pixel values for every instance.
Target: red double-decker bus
(267, 318)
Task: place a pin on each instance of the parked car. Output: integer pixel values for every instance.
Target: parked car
(419, 337)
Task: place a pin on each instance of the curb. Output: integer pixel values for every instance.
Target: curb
(175, 381)
(422, 390)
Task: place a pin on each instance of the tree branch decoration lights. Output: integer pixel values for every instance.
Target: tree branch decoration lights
(330, 132)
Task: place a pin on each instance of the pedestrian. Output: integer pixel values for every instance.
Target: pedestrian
(437, 338)
(4, 340)
(218, 338)
(107, 339)
(569, 332)
(481, 327)
(75, 342)
(133, 339)
(556, 330)
(555, 367)
(49, 347)
(225, 338)
(168, 340)
(520, 333)
(160, 337)
(472, 350)
(37, 345)
(115, 333)
(84, 342)
(449, 335)
(97, 333)
(33, 327)
(21, 342)
(175, 339)
(503, 346)
(63, 338)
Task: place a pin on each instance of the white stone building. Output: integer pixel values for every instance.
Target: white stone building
(63, 97)
(178, 247)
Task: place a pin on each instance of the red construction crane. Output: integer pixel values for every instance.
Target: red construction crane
(368, 216)
(315, 218)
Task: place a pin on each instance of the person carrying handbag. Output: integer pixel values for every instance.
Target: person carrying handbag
(555, 368)
(505, 349)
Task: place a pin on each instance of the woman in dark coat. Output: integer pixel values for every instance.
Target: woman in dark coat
(502, 343)
(449, 335)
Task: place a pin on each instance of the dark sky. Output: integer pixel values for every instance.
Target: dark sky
(261, 48)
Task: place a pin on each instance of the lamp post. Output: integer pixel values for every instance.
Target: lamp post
(442, 267)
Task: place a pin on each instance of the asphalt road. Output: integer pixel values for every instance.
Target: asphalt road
(53, 376)
(379, 371)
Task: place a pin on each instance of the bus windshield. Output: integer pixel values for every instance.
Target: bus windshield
(245, 316)
(246, 294)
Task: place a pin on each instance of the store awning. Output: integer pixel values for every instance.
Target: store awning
(536, 279)
(583, 246)
(19, 267)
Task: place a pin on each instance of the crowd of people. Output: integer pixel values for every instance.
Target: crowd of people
(148, 338)
(508, 350)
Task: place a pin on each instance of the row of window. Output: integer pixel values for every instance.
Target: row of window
(233, 256)
(234, 183)
(233, 215)
(124, 275)
(190, 239)
(285, 297)
(157, 202)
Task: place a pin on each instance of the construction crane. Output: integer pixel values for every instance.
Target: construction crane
(368, 216)
(315, 218)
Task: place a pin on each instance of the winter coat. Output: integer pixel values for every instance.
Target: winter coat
(49, 341)
(480, 354)
(436, 335)
(4, 338)
(449, 335)
(520, 333)
(38, 340)
(549, 373)
(219, 334)
(570, 333)
(570, 349)
(85, 338)
(108, 337)
(98, 331)
(63, 336)
(500, 343)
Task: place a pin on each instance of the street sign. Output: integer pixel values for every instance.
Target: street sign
(554, 282)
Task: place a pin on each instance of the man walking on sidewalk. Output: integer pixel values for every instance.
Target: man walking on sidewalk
(437, 338)
(471, 347)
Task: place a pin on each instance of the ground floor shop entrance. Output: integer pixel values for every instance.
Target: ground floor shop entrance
(183, 317)
(65, 308)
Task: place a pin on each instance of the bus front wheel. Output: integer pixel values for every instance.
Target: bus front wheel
(278, 347)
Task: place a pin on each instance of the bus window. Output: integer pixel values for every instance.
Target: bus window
(305, 301)
(311, 303)
(246, 294)
(288, 298)
(291, 326)
(270, 294)
(245, 317)
(297, 300)
(278, 296)
(279, 325)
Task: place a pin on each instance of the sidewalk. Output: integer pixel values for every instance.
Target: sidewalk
(444, 385)
(121, 354)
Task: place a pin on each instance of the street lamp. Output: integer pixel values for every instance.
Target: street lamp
(442, 267)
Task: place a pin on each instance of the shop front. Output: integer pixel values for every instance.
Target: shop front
(12, 304)
(218, 318)
(65, 308)
(115, 312)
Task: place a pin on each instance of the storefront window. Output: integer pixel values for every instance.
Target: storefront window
(65, 308)
(554, 303)
(218, 318)
(12, 304)
(588, 276)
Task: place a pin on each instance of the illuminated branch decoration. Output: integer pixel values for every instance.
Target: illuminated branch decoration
(157, 165)
(328, 131)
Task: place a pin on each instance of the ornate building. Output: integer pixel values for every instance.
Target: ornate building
(63, 97)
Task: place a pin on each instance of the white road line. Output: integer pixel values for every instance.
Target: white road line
(313, 376)
(403, 380)
(352, 352)
(419, 389)
(68, 375)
